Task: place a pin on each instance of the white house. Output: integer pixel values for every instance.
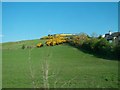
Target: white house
(113, 37)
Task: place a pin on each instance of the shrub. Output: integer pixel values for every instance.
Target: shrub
(79, 39)
(86, 45)
(90, 44)
(23, 46)
(100, 37)
(116, 51)
(103, 47)
(93, 43)
(96, 45)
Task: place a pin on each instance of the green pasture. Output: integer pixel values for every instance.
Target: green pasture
(60, 66)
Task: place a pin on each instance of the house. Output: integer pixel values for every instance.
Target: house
(114, 37)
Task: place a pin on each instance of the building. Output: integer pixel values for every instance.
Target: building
(114, 37)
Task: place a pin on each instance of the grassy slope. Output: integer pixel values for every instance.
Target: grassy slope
(68, 67)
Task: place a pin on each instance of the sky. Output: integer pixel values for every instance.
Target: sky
(32, 20)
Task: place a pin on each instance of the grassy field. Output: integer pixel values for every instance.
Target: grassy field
(59, 66)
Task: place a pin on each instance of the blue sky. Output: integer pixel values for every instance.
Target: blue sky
(32, 20)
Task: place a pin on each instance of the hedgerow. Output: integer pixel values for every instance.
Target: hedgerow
(99, 46)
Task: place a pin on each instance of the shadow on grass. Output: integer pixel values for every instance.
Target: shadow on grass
(103, 56)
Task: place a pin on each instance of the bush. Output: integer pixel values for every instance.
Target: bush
(78, 40)
(98, 46)
(86, 45)
(23, 46)
(90, 44)
(103, 47)
(116, 51)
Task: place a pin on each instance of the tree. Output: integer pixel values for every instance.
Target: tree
(23, 46)
(94, 35)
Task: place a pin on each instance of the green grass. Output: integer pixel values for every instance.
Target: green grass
(68, 67)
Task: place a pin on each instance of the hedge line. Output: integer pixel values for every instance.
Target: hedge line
(98, 46)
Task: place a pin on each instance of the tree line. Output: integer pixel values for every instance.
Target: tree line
(96, 45)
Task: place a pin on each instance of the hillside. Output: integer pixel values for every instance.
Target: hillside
(60, 66)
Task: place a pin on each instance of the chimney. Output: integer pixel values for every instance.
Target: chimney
(110, 32)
